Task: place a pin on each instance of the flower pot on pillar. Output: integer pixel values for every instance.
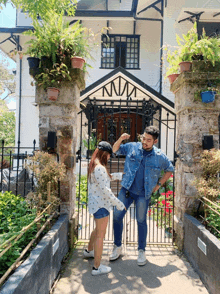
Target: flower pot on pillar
(33, 62)
(77, 62)
(208, 96)
(52, 93)
(185, 66)
(172, 77)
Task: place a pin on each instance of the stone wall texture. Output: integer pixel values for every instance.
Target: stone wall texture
(61, 117)
(194, 120)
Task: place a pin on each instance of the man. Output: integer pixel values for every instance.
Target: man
(142, 171)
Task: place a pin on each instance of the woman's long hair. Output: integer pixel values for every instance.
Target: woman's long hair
(102, 156)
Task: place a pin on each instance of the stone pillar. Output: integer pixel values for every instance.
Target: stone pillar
(61, 117)
(194, 120)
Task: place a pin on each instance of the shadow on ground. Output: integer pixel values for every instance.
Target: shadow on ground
(165, 272)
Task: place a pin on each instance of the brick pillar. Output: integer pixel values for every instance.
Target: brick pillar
(194, 120)
(61, 117)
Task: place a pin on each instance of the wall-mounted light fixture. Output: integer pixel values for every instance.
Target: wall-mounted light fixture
(51, 140)
(207, 142)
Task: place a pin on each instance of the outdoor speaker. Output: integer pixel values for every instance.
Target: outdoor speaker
(52, 140)
(207, 142)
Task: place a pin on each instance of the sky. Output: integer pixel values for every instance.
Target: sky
(7, 20)
(7, 17)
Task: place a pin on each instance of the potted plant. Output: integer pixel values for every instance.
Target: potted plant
(58, 41)
(51, 79)
(33, 62)
(190, 49)
(172, 70)
(38, 45)
(207, 49)
(185, 44)
(206, 94)
(206, 54)
(76, 44)
(180, 57)
(82, 49)
(45, 38)
(186, 63)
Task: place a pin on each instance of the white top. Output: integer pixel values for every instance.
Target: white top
(100, 194)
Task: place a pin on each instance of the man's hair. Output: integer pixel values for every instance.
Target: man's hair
(153, 131)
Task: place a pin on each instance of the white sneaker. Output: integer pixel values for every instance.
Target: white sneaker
(88, 254)
(116, 252)
(141, 257)
(102, 269)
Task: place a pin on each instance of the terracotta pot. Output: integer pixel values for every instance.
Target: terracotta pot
(173, 77)
(77, 62)
(52, 93)
(185, 66)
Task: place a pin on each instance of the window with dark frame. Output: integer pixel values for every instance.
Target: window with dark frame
(120, 50)
(212, 29)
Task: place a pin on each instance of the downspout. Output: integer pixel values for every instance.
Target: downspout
(161, 55)
(161, 40)
(20, 91)
(19, 115)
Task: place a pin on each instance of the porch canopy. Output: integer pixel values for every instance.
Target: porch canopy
(207, 18)
(10, 40)
(121, 84)
(119, 102)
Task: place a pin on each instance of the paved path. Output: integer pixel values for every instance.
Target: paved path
(167, 272)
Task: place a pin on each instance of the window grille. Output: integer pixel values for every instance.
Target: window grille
(120, 50)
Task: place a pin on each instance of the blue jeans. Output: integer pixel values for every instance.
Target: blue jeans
(141, 215)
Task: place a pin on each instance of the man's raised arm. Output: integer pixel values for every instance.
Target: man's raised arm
(119, 141)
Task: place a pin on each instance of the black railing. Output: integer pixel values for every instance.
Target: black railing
(14, 176)
(158, 233)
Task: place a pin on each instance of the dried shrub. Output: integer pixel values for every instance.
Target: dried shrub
(207, 183)
(4, 164)
(45, 169)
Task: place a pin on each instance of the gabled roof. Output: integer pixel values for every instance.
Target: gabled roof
(121, 84)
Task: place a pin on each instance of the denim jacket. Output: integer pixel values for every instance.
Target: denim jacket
(155, 162)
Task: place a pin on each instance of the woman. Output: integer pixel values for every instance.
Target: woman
(101, 200)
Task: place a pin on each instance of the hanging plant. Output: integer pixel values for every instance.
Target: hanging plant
(207, 94)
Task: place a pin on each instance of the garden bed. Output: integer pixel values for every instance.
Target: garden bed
(203, 251)
(37, 274)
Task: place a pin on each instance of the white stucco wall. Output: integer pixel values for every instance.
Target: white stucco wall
(29, 112)
(149, 49)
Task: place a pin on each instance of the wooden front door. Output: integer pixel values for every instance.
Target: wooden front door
(111, 127)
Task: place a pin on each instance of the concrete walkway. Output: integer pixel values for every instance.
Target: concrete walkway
(167, 272)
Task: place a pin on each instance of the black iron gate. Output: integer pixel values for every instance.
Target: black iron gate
(107, 119)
